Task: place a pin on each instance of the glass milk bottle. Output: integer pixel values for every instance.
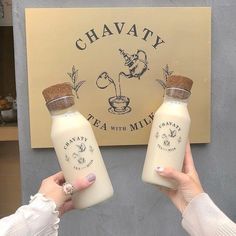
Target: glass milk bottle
(76, 147)
(169, 132)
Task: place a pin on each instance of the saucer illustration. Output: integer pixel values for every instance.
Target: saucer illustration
(119, 105)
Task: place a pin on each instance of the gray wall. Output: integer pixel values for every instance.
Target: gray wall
(138, 209)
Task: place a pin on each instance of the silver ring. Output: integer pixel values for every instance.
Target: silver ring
(68, 188)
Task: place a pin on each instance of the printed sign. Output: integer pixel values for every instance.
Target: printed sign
(117, 61)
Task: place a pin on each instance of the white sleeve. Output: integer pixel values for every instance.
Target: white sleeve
(203, 218)
(39, 218)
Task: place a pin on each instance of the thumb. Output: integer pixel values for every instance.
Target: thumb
(172, 174)
(84, 183)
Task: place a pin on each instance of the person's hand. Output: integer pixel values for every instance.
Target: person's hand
(51, 188)
(188, 183)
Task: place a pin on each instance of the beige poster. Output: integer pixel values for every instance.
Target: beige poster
(117, 61)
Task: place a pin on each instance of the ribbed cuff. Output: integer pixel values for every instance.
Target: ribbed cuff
(227, 228)
(190, 221)
(203, 218)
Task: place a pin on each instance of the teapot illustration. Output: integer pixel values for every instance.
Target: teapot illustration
(137, 63)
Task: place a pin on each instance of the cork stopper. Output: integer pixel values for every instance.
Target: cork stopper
(58, 96)
(178, 81)
(181, 86)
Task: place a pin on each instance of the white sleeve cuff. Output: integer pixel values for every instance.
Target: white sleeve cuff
(38, 218)
(44, 220)
(203, 218)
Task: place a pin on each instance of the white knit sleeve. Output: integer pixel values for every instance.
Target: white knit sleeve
(39, 218)
(203, 218)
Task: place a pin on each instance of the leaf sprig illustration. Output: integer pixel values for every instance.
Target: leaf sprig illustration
(166, 74)
(76, 84)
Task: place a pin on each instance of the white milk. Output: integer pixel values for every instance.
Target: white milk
(168, 139)
(79, 155)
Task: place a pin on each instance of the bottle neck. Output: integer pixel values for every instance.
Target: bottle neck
(70, 109)
(61, 105)
(177, 95)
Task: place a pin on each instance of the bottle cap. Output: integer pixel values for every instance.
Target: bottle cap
(58, 96)
(178, 81)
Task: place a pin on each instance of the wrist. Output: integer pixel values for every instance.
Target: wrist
(40, 197)
(194, 200)
(56, 197)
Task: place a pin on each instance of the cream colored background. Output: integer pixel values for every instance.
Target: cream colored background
(51, 35)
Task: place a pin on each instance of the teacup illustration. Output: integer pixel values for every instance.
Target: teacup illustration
(119, 104)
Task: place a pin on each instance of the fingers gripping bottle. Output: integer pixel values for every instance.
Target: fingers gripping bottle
(76, 147)
(169, 132)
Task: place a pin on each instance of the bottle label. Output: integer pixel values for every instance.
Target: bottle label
(79, 152)
(168, 135)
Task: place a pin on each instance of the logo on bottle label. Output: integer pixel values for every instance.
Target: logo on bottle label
(168, 136)
(78, 152)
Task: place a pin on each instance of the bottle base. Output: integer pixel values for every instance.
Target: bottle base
(79, 205)
(163, 183)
